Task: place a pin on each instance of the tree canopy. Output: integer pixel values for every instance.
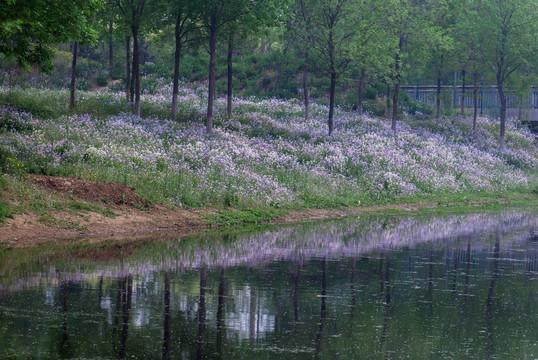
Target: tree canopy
(28, 28)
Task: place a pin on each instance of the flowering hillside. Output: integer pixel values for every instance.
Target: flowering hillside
(266, 154)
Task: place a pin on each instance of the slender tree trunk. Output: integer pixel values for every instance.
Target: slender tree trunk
(438, 100)
(128, 69)
(133, 77)
(387, 103)
(211, 87)
(73, 76)
(177, 58)
(110, 46)
(361, 90)
(395, 105)
(396, 85)
(463, 92)
(136, 69)
(305, 88)
(502, 97)
(331, 102)
(475, 104)
(333, 84)
(230, 76)
(263, 46)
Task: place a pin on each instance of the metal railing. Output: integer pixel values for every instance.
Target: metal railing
(489, 102)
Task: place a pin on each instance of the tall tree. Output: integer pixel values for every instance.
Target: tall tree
(439, 42)
(255, 16)
(371, 46)
(408, 24)
(469, 42)
(300, 24)
(511, 27)
(213, 15)
(86, 37)
(332, 29)
(133, 15)
(184, 26)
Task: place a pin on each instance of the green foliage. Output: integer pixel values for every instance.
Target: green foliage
(5, 212)
(40, 107)
(102, 79)
(28, 28)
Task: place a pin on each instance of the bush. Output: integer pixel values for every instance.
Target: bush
(11, 120)
(5, 212)
(39, 107)
(102, 79)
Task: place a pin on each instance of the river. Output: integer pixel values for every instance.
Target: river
(418, 286)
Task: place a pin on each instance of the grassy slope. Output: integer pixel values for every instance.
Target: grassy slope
(238, 181)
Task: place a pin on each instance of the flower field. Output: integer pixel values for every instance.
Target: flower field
(264, 155)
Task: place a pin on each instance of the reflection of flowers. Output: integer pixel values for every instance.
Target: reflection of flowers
(330, 240)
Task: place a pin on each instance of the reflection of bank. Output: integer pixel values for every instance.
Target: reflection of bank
(348, 238)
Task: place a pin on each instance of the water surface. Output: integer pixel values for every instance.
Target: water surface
(419, 287)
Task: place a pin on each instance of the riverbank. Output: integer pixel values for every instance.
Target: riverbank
(111, 173)
(52, 209)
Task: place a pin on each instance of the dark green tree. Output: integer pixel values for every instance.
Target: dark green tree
(28, 28)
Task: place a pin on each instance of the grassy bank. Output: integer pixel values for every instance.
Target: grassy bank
(263, 161)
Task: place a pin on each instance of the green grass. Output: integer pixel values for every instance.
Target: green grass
(230, 218)
(30, 199)
(5, 212)
(52, 221)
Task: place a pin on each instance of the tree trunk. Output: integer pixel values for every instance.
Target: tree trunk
(333, 84)
(110, 46)
(331, 102)
(305, 88)
(395, 106)
(128, 69)
(136, 69)
(438, 100)
(396, 85)
(211, 86)
(387, 103)
(502, 97)
(263, 46)
(177, 58)
(361, 90)
(230, 78)
(73, 76)
(463, 92)
(133, 77)
(475, 104)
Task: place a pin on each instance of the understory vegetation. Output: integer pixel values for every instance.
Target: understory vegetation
(264, 156)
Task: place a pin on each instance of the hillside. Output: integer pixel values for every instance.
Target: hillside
(266, 156)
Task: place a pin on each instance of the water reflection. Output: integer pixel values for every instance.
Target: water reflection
(359, 288)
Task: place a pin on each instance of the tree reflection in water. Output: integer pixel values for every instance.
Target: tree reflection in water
(211, 299)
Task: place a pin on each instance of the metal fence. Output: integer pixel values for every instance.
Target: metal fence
(489, 103)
